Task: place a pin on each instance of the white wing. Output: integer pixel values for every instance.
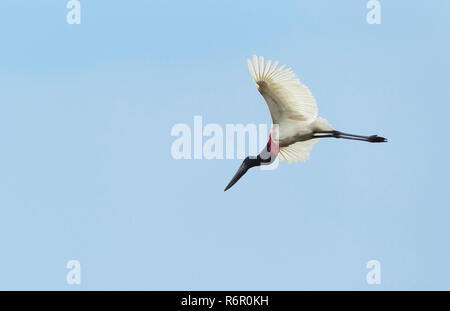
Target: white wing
(298, 151)
(285, 95)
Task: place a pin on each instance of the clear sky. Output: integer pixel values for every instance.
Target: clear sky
(86, 171)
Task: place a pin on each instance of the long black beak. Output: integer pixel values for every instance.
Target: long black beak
(241, 171)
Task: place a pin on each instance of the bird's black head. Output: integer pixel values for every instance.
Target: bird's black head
(248, 163)
(266, 157)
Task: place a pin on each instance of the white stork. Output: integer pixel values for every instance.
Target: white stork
(293, 109)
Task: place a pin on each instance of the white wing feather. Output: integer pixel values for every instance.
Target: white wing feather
(288, 100)
(298, 151)
(285, 95)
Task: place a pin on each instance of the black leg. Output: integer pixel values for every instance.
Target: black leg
(337, 134)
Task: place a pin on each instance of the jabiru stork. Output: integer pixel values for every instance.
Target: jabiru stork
(293, 109)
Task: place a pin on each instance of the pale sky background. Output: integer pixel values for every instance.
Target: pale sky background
(86, 171)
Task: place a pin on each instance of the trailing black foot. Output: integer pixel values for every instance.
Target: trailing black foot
(377, 139)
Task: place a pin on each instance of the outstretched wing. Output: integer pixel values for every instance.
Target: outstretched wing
(285, 95)
(298, 151)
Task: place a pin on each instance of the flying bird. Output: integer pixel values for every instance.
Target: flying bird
(296, 125)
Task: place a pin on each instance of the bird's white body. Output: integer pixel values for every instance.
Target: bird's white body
(289, 132)
(292, 107)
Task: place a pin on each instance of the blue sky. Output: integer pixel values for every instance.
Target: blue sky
(86, 171)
